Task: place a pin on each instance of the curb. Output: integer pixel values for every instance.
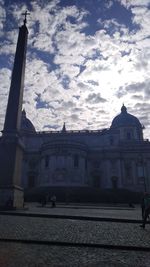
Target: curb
(72, 217)
(71, 244)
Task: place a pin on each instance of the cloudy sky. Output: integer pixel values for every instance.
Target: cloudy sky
(84, 60)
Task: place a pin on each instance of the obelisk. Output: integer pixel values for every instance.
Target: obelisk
(11, 147)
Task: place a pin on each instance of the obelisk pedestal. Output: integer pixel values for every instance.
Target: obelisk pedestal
(11, 154)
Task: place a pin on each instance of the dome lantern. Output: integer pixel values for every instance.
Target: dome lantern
(123, 109)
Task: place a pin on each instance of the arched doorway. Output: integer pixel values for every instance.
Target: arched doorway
(114, 180)
(31, 180)
(96, 180)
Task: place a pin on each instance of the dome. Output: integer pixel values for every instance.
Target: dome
(125, 119)
(26, 124)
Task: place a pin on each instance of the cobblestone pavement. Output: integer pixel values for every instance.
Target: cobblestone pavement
(111, 233)
(21, 255)
(74, 231)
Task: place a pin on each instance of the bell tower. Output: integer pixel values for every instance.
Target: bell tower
(11, 146)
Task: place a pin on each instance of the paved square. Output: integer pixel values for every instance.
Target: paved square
(37, 230)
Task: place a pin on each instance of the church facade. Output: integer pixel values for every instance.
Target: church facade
(114, 158)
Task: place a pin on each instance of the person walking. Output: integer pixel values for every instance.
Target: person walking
(143, 204)
(53, 200)
(43, 201)
(145, 209)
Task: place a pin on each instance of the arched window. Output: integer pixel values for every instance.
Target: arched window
(128, 135)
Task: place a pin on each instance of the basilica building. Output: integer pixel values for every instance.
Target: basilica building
(85, 161)
(113, 158)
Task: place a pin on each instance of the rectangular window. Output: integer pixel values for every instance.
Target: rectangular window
(86, 163)
(76, 161)
(128, 172)
(31, 181)
(140, 173)
(111, 140)
(46, 161)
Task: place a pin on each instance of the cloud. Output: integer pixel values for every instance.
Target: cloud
(70, 74)
(134, 88)
(144, 116)
(109, 4)
(95, 99)
(130, 3)
(137, 97)
(50, 20)
(142, 88)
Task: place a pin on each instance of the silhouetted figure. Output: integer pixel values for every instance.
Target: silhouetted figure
(131, 205)
(53, 200)
(143, 204)
(47, 198)
(146, 209)
(43, 202)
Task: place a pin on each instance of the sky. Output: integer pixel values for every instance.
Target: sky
(84, 60)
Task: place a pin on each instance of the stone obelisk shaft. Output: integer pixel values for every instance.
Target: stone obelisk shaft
(14, 107)
(11, 148)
